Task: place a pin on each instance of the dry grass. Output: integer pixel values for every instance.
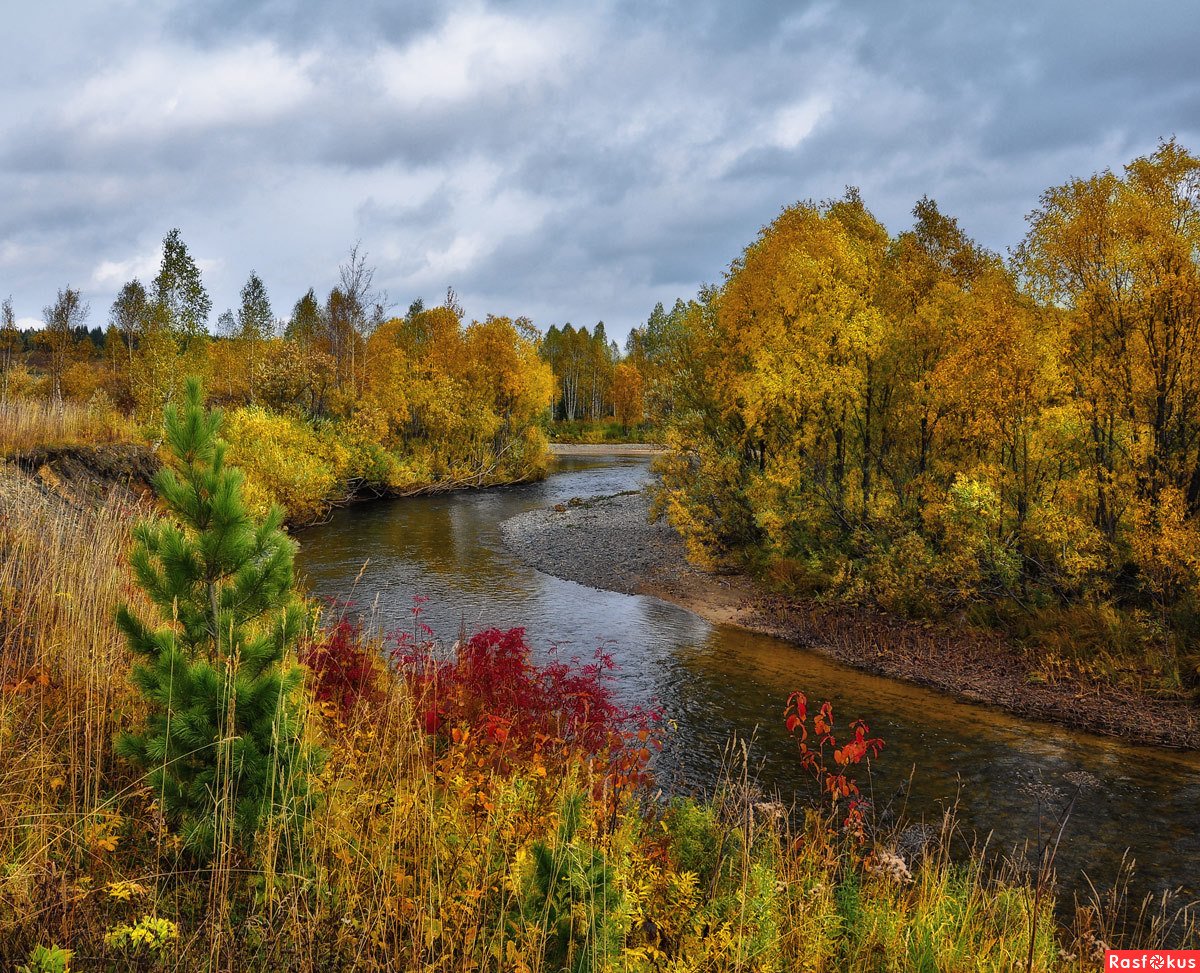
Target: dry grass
(64, 673)
(27, 424)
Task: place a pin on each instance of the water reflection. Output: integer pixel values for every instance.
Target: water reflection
(716, 681)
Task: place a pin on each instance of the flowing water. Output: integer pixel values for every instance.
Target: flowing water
(714, 682)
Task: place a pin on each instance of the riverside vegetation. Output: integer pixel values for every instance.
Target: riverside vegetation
(339, 399)
(906, 423)
(401, 805)
(911, 424)
(201, 770)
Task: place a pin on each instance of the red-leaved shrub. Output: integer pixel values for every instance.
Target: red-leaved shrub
(494, 691)
(342, 667)
(491, 703)
(833, 781)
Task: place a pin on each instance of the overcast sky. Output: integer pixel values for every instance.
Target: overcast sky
(569, 162)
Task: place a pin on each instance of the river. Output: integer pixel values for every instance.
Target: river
(715, 682)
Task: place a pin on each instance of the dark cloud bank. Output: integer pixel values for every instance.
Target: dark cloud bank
(572, 164)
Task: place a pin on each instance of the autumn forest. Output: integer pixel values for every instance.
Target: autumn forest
(203, 765)
(914, 422)
(906, 420)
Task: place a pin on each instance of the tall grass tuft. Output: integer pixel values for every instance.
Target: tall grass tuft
(27, 424)
(65, 693)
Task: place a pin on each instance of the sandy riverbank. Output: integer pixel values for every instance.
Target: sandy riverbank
(609, 543)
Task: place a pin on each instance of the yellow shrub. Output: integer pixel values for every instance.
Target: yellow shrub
(82, 380)
(362, 456)
(285, 462)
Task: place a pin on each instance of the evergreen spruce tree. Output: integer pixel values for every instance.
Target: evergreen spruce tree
(222, 744)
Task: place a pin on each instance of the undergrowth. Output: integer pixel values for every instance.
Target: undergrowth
(478, 810)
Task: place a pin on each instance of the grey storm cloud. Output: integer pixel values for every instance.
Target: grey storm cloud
(570, 163)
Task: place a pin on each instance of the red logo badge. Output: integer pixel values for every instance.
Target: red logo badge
(1152, 959)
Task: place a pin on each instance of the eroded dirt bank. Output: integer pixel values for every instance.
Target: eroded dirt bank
(609, 543)
(84, 475)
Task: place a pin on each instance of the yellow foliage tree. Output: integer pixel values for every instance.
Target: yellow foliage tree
(629, 403)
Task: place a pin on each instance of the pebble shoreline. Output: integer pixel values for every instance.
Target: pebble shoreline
(603, 542)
